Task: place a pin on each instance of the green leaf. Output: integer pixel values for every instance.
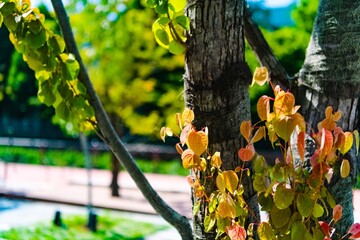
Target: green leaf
(330, 199)
(35, 41)
(176, 48)
(305, 204)
(318, 210)
(260, 165)
(57, 44)
(266, 202)
(177, 5)
(81, 87)
(10, 22)
(79, 101)
(163, 8)
(300, 232)
(213, 202)
(209, 222)
(183, 21)
(7, 8)
(1, 20)
(45, 94)
(163, 20)
(265, 232)
(278, 172)
(259, 184)
(35, 26)
(280, 217)
(283, 197)
(162, 37)
(152, 3)
(62, 111)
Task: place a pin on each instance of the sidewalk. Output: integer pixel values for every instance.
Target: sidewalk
(69, 186)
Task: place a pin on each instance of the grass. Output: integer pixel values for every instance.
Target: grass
(71, 158)
(109, 228)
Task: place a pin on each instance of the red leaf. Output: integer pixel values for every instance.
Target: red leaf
(325, 227)
(354, 231)
(246, 154)
(301, 145)
(236, 232)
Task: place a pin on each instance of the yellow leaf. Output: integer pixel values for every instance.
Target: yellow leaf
(197, 141)
(349, 140)
(216, 160)
(227, 180)
(284, 127)
(356, 133)
(163, 133)
(178, 148)
(187, 116)
(259, 134)
(261, 76)
(263, 107)
(178, 121)
(226, 207)
(245, 130)
(345, 168)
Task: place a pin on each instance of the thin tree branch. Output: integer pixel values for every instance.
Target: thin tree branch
(264, 53)
(112, 139)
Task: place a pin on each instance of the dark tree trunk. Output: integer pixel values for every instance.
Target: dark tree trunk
(216, 84)
(330, 76)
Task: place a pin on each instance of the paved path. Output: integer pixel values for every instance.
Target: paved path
(69, 185)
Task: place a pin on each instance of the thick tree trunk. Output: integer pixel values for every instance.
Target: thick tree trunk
(331, 76)
(216, 84)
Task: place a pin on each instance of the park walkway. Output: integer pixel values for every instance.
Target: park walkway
(69, 185)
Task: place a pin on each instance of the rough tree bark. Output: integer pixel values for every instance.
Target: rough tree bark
(330, 76)
(216, 84)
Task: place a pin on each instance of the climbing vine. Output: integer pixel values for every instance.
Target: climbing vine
(55, 69)
(292, 190)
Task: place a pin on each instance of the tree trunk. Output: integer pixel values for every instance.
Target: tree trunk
(216, 85)
(330, 76)
(115, 163)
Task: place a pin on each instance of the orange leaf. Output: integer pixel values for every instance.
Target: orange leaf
(301, 145)
(178, 148)
(349, 140)
(245, 130)
(261, 76)
(187, 116)
(247, 153)
(189, 159)
(197, 141)
(263, 107)
(339, 139)
(284, 103)
(236, 232)
(337, 213)
(326, 143)
(259, 134)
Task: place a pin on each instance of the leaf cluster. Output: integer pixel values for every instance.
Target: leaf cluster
(169, 29)
(55, 69)
(294, 195)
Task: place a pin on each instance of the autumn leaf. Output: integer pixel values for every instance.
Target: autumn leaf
(284, 127)
(349, 140)
(226, 207)
(345, 168)
(163, 133)
(330, 120)
(357, 141)
(301, 145)
(284, 104)
(259, 134)
(325, 228)
(337, 213)
(178, 121)
(197, 141)
(178, 148)
(263, 107)
(190, 159)
(261, 76)
(354, 231)
(187, 116)
(227, 180)
(247, 153)
(184, 133)
(245, 130)
(216, 160)
(236, 232)
(326, 143)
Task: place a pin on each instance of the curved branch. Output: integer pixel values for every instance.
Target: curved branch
(112, 139)
(264, 53)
